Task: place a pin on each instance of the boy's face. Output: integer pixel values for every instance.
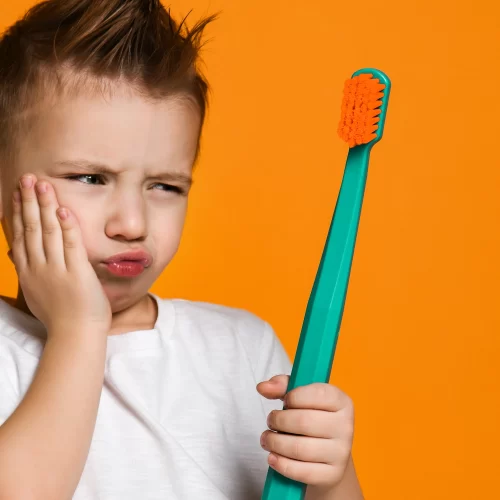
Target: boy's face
(132, 208)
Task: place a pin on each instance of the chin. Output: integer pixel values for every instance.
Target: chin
(122, 295)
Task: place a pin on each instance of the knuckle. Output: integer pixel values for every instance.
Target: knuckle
(296, 449)
(30, 227)
(349, 404)
(323, 390)
(330, 425)
(50, 229)
(349, 428)
(284, 465)
(70, 244)
(27, 196)
(336, 474)
(325, 479)
(302, 421)
(45, 202)
(320, 392)
(344, 449)
(17, 236)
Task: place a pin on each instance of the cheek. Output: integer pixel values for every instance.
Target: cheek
(86, 225)
(84, 209)
(70, 201)
(167, 232)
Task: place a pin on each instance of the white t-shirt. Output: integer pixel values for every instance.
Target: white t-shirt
(179, 416)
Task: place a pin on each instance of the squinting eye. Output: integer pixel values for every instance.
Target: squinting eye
(165, 187)
(169, 187)
(75, 177)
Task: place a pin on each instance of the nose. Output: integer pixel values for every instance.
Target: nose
(127, 219)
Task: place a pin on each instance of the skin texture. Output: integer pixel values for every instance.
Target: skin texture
(123, 211)
(64, 284)
(61, 279)
(319, 455)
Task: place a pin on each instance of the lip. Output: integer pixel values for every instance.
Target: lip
(131, 256)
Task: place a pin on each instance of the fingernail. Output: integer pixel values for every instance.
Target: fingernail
(17, 196)
(26, 181)
(269, 419)
(41, 188)
(62, 213)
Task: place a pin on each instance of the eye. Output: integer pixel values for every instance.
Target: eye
(165, 187)
(172, 188)
(76, 177)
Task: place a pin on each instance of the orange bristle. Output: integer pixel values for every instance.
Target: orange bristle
(359, 113)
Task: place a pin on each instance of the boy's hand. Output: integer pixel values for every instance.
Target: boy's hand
(319, 422)
(59, 284)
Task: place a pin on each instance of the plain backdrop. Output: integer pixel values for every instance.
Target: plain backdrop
(419, 350)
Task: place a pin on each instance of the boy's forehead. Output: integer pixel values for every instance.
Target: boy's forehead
(106, 97)
(116, 132)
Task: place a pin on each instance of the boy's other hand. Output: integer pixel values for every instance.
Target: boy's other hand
(319, 426)
(59, 284)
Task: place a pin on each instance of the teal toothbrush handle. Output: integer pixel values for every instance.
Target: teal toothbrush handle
(320, 329)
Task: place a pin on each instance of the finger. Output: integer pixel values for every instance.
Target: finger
(312, 423)
(310, 473)
(318, 397)
(51, 227)
(31, 221)
(304, 448)
(18, 249)
(275, 388)
(74, 252)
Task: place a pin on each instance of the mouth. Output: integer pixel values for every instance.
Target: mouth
(128, 264)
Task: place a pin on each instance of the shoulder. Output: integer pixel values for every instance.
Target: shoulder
(20, 353)
(19, 334)
(233, 330)
(210, 315)
(221, 323)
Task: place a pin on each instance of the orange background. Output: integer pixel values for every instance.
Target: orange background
(419, 350)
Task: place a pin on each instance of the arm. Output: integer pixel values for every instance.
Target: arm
(45, 442)
(347, 489)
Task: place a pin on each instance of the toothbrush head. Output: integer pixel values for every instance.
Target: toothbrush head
(364, 107)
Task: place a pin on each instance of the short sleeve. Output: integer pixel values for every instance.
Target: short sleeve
(272, 357)
(272, 360)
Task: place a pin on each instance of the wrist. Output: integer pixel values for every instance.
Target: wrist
(348, 488)
(83, 342)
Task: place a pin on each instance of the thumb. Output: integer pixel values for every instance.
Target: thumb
(274, 388)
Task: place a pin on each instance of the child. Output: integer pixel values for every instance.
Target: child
(107, 391)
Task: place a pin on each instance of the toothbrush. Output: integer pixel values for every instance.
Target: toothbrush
(364, 109)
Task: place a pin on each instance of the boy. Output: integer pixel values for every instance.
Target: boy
(107, 391)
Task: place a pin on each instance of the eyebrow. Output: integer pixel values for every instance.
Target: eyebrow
(103, 169)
